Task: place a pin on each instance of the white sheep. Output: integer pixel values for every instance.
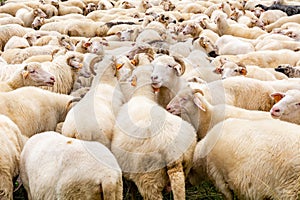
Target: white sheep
(224, 28)
(93, 172)
(278, 23)
(66, 9)
(12, 143)
(191, 105)
(11, 20)
(31, 75)
(16, 42)
(229, 69)
(9, 30)
(42, 108)
(93, 118)
(143, 136)
(243, 92)
(28, 15)
(271, 16)
(66, 70)
(231, 45)
(265, 151)
(287, 105)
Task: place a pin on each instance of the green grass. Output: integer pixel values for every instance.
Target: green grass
(205, 191)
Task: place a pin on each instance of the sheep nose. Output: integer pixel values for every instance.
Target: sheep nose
(276, 110)
(224, 77)
(52, 78)
(154, 78)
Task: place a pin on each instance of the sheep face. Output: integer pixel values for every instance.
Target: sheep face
(94, 46)
(287, 105)
(39, 12)
(38, 22)
(34, 75)
(66, 42)
(125, 35)
(230, 69)
(165, 71)
(285, 69)
(75, 62)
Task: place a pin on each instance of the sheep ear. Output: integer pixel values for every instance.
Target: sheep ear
(180, 68)
(25, 72)
(218, 70)
(86, 44)
(243, 71)
(277, 96)
(198, 102)
(134, 62)
(118, 34)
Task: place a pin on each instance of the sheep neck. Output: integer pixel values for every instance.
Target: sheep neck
(145, 90)
(16, 81)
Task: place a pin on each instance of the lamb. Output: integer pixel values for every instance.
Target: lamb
(104, 99)
(143, 151)
(265, 151)
(27, 16)
(290, 71)
(42, 108)
(194, 108)
(9, 30)
(12, 143)
(65, 69)
(31, 75)
(97, 171)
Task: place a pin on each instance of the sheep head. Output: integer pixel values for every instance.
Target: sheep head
(166, 70)
(34, 75)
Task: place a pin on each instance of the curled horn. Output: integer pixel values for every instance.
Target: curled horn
(181, 62)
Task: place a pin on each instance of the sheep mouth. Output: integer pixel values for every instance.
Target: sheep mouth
(156, 85)
(50, 83)
(275, 116)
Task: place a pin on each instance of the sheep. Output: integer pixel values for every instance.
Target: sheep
(281, 21)
(143, 151)
(66, 9)
(229, 69)
(104, 99)
(12, 8)
(290, 71)
(9, 30)
(92, 45)
(104, 177)
(194, 108)
(11, 20)
(42, 108)
(288, 9)
(32, 36)
(27, 16)
(16, 42)
(273, 44)
(265, 151)
(243, 92)
(31, 75)
(17, 56)
(62, 40)
(65, 69)
(271, 16)
(231, 45)
(224, 28)
(286, 106)
(12, 143)
(265, 58)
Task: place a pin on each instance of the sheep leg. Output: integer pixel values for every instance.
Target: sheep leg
(148, 188)
(177, 180)
(109, 189)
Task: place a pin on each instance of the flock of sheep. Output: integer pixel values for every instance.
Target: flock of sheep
(159, 92)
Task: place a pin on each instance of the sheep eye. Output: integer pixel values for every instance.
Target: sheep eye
(170, 66)
(297, 104)
(167, 18)
(235, 70)
(32, 71)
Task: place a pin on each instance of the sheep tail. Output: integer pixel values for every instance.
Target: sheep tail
(177, 180)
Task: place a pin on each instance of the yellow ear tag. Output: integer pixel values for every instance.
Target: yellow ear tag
(133, 82)
(133, 62)
(25, 74)
(119, 66)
